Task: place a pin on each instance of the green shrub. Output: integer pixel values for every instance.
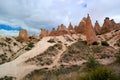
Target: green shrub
(92, 62)
(118, 56)
(31, 44)
(100, 73)
(8, 39)
(95, 43)
(104, 43)
(51, 41)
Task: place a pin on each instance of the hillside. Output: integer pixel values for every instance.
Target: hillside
(60, 52)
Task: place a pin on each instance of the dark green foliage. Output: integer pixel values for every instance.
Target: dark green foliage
(31, 44)
(117, 43)
(100, 73)
(14, 44)
(92, 62)
(8, 78)
(3, 44)
(7, 39)
(104, 43)
(95, 43)
(118, 56)
(51, 41)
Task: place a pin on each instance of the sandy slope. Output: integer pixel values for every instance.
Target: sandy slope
(16, 67)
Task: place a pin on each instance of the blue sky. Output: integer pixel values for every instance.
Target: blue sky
(33, 15)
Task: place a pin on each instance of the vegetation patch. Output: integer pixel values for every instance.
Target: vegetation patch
(75, 52)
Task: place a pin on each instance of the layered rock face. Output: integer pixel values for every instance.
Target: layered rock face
(23, 36)
(97, 28)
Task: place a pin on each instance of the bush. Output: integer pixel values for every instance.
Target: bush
(100, 73)
(51, 41)
(92, 62)
(95, 43)
(104, 43)
(118, 56)
(31, 44)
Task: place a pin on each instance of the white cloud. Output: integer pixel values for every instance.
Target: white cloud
(35, 14)
(8, 33)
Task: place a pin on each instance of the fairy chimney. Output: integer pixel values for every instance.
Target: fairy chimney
(23, 36)
(97, 28)
(89, 31)
(43, 33)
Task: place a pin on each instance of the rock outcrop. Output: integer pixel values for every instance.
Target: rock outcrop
(70, 27)
(89, 31)
(97, 28)
(43, 33)
(82, 26)
(108, 25)
(23, 36)
(53, 32)
(62, 30)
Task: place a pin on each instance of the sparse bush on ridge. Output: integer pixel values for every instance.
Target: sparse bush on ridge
(51, 41)
(95, 43)
(104, 43)
(92, 62)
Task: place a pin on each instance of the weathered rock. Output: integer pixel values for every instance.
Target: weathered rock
(70, 27)
(43, 33)
(53, 32)
(76, 29)
(107, 26)
(89, 31)
(23, 36)
(62, 30)
(97, 28)
(82, 26)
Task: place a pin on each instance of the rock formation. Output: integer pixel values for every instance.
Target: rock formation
(23, 36)
(89, 31)
(107, 26)
(97, 28)
(62, 30)
(82, 26)
(70, 27)
(43, 33)
(53, 32)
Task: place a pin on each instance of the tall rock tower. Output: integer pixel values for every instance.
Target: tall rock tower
(23, 36)
(97, 28)
(89, 31)
(43, 33)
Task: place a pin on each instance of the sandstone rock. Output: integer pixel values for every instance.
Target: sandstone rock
(107, 26)
(97, 28)
(82, 26)
(76, 28)
(43, 33)
(53, 32)
(23, 36)
(89, 31)
(70, 27)
(62, 30)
